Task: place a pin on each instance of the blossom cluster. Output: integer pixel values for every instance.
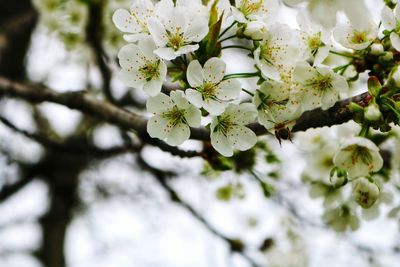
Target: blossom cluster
(185, 41)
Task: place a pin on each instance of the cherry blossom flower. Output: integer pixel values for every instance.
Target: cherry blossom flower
(134, 21)
(318, 86)
(353, 38)
(391, 21)
(247, 10)
(176, 30)
(228, 130)
(274, 105)
(316, 40)
(359, 156)
(210, 90)
(172, 117)
(277, 52)
(141, 68)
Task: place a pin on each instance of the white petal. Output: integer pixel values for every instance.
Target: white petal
(179, 99)
(157, 127)
(244, 113)
(194, 74)
(179, 134)
(193, 116)
(339, 83)
(229, 89)
(238, 15)
(397, 12)
(133, 38)
(166, 53)
(214, 70)
(322, 54)
(153, 87)
(159, 103)
(132, 78)
(157, 31)
(186, 49)
(194, 97)
(388, 19)
(130, 56)
(329, 98)
(303, 72)
(222, 144)
(377, 161)
(214, 107)
(242, 138)
(124, 21)
(197, 30)
(395, 39)
(147, 46)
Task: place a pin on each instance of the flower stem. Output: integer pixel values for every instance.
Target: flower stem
(364, 130)
(227, 29)
(247, 92)
(227, 38)
(342, 54)
(241, 75)
(237, 46)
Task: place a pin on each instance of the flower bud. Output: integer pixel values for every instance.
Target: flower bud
(377, 49)
(365, 192)
(396, 77)
(372, 112)
(255, 30)
(338, 177)
(387, 57)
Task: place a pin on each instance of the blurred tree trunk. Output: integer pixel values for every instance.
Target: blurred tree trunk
(61, 172)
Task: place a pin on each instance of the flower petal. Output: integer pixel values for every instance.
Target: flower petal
(194, 74)
(130, 56)
(159, 103)
(229, 89)
(388, 19)
(193, 116)
(395, 39)
(157, 127)
(194, 97)
(179, 134)
(222, 144)
(214, 107)
(157, 31)
(242, 138)
(124, 21)
(132, 78)
(214, 70)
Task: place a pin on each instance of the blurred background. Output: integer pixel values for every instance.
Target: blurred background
(78, 192)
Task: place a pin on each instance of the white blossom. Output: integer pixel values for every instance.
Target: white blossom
(275, 105)
(278, 52)
(141, 68)
(228, 130)
(247, 10)
(209, 89)
(356, 38)
(359, 156)
(391, 21)
(135, 21)
(315, 38)
(325, 11)
(172, 117)
(318, 86)
(176, 30)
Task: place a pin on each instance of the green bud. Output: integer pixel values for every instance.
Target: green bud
(372, 112)
(386, 57)
(365, 192)
(338, 177)
(374, 86)
(377, 49)
(355, 108)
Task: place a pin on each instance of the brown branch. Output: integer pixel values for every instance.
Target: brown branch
(94, 37)
(92, 105)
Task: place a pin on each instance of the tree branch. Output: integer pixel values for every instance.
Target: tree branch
(92, 105)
